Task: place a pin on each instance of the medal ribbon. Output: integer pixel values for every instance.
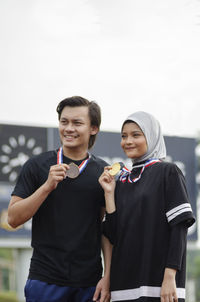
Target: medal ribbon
(82, 166)
(126, 173)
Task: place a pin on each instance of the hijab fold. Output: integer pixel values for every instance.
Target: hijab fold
(152, 132)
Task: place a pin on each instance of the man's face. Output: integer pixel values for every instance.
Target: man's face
(75, 128)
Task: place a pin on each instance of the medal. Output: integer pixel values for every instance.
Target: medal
(116, 168)
(73, 170)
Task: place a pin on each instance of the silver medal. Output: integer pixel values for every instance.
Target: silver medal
(73, 171)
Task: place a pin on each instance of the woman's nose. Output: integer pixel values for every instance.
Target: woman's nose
(129, 140)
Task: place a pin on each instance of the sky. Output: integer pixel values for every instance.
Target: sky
(127, 55)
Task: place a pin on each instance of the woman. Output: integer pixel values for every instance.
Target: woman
(148, 214)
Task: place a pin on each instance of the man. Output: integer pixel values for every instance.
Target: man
(60, 190)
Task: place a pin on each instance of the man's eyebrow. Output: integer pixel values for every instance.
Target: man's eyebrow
(79, 119)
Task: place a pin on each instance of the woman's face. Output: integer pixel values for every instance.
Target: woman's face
(133, 141)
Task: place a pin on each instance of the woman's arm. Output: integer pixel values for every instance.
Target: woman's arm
(177, 247)
(107, 182)
(168, 289)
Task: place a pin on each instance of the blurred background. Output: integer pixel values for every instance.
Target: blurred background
(126, 55)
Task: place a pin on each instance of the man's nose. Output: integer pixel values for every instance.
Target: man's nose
(69, 127)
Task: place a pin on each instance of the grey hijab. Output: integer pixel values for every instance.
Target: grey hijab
(152, 131)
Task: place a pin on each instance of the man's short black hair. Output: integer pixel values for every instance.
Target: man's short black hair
(94, 112)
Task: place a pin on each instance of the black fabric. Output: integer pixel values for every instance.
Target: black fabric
(177, 244)
(109, 226)
(144, 240)
(66, 229)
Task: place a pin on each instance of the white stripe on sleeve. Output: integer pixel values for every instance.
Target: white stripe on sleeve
(185, 207)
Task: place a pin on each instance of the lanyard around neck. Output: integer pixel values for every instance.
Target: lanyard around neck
(83, 164)
(126, 173)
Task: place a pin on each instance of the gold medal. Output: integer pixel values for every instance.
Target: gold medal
(116, 167)
(73, 171)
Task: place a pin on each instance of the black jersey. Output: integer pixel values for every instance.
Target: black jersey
(146, 213)
(66, 229)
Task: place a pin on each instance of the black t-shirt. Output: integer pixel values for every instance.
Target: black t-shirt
(144, 231)
(66, 229)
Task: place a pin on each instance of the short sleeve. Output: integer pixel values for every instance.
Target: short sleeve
(27, 181)
(178, 208)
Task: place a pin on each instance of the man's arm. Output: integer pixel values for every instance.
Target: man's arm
(107, 251)
(21, 210)
(102, 293)
(107, 254)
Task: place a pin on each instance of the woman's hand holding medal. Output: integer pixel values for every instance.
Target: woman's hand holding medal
(107, 179)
